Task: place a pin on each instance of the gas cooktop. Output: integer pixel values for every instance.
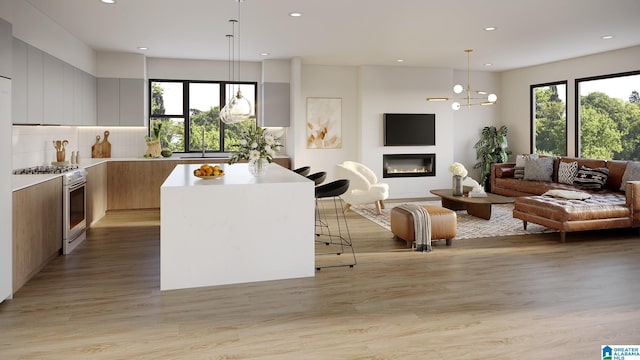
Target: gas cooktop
(46, 169)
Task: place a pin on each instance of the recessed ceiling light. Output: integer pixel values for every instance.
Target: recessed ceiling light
(295, 14)
(108, 1)
(488, 64)
(143, 48)
(264, 54)
(607, 37)
(490, 28)
(400, 60)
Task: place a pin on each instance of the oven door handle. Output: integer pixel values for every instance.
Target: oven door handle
(76, 186)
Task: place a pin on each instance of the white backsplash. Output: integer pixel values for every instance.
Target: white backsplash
(33, 145)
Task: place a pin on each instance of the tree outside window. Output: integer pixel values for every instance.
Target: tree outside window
(190, 114)
(549, 118)
(609, 117)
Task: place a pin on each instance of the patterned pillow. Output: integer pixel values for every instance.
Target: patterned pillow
(567, 172)
(538, 169)
(593, 179)
(518, 172)
(632, 172)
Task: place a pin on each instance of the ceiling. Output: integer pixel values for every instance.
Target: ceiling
(356, 32)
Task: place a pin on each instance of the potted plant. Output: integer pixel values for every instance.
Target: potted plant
(491, 148)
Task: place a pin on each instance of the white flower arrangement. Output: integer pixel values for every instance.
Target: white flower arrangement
(256, 143)
(458, 169)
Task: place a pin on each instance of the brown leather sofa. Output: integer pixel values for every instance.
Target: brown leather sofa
(607, 208)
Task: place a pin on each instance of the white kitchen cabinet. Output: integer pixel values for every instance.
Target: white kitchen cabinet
(5, 48)
(35, 86)
(121, 102)
(67, 95)
(108, 90)
(89, 99)
(77, 96)
(53, 91)
(275, 104)
(19, 83)
(132, 102)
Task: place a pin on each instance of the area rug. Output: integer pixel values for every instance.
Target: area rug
(502, 222)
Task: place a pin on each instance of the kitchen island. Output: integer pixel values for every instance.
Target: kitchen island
(235, 229)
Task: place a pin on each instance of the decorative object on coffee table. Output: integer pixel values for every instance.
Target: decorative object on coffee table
(459, 173)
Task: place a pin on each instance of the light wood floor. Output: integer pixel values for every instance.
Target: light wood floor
(527, 297)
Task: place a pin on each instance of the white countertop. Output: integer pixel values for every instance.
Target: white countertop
(236, 174)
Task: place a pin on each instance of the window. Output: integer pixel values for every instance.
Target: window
(549, 118)
(608, 120)
(189, 112)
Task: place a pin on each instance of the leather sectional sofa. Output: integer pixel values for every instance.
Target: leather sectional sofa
(606, 208)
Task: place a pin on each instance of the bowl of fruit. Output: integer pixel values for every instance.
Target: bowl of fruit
(207, 171)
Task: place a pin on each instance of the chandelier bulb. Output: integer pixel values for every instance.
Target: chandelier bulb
(458, 89)
(455, 106)
(492, 98)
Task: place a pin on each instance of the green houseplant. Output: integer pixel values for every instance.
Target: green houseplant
(491, 148)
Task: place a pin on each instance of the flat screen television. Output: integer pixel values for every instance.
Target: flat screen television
(409, 129)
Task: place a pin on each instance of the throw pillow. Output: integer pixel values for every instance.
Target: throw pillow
(567, 172)
(520, 159)
(518, 172)
(567, 194)
(593, 179)
(632, 172)
(538, 169)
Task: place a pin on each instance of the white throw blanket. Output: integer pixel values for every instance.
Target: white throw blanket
(421, 226)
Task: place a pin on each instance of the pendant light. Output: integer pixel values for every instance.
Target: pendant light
(468, 100)
(238, 108)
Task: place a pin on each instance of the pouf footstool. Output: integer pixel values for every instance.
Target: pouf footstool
(443, 224)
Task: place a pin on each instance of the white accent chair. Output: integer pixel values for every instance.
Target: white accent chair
(364, 187)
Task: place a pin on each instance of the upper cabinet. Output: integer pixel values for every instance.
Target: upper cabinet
(121, 102)
(5, 49)
(275, 104)
(46, 90)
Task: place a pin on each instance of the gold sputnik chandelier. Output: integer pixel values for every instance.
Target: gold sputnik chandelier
(471, 97)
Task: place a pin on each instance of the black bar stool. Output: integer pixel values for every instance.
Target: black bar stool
(336, 242)
(318, 178)
(304, 171)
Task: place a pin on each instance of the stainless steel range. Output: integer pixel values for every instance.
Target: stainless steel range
(74, 209)
(74, 199)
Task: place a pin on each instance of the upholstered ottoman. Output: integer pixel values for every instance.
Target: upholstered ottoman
(443, 224)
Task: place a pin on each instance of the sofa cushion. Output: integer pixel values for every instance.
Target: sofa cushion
(616, 171)
(540, 169)
(567, 172)
(520, 159)
(632, 172)
(588, 178)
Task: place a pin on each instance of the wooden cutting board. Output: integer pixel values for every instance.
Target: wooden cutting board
(96, 149)
(106, 146)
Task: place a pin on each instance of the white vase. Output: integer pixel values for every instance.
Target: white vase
(258, 167)
(457, 185)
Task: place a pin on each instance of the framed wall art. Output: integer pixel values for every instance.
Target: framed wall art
(324, 123)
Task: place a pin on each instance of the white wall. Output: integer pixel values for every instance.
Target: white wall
(158, 68)
(328, 82)
(367, 93)
(516, 84)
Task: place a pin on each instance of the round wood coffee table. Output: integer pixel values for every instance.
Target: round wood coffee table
(475, 206)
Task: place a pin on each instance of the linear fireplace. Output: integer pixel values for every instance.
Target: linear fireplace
(408, 165)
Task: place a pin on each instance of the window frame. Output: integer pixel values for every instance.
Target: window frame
(186, 113)
(532, 113)
(576, 91)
